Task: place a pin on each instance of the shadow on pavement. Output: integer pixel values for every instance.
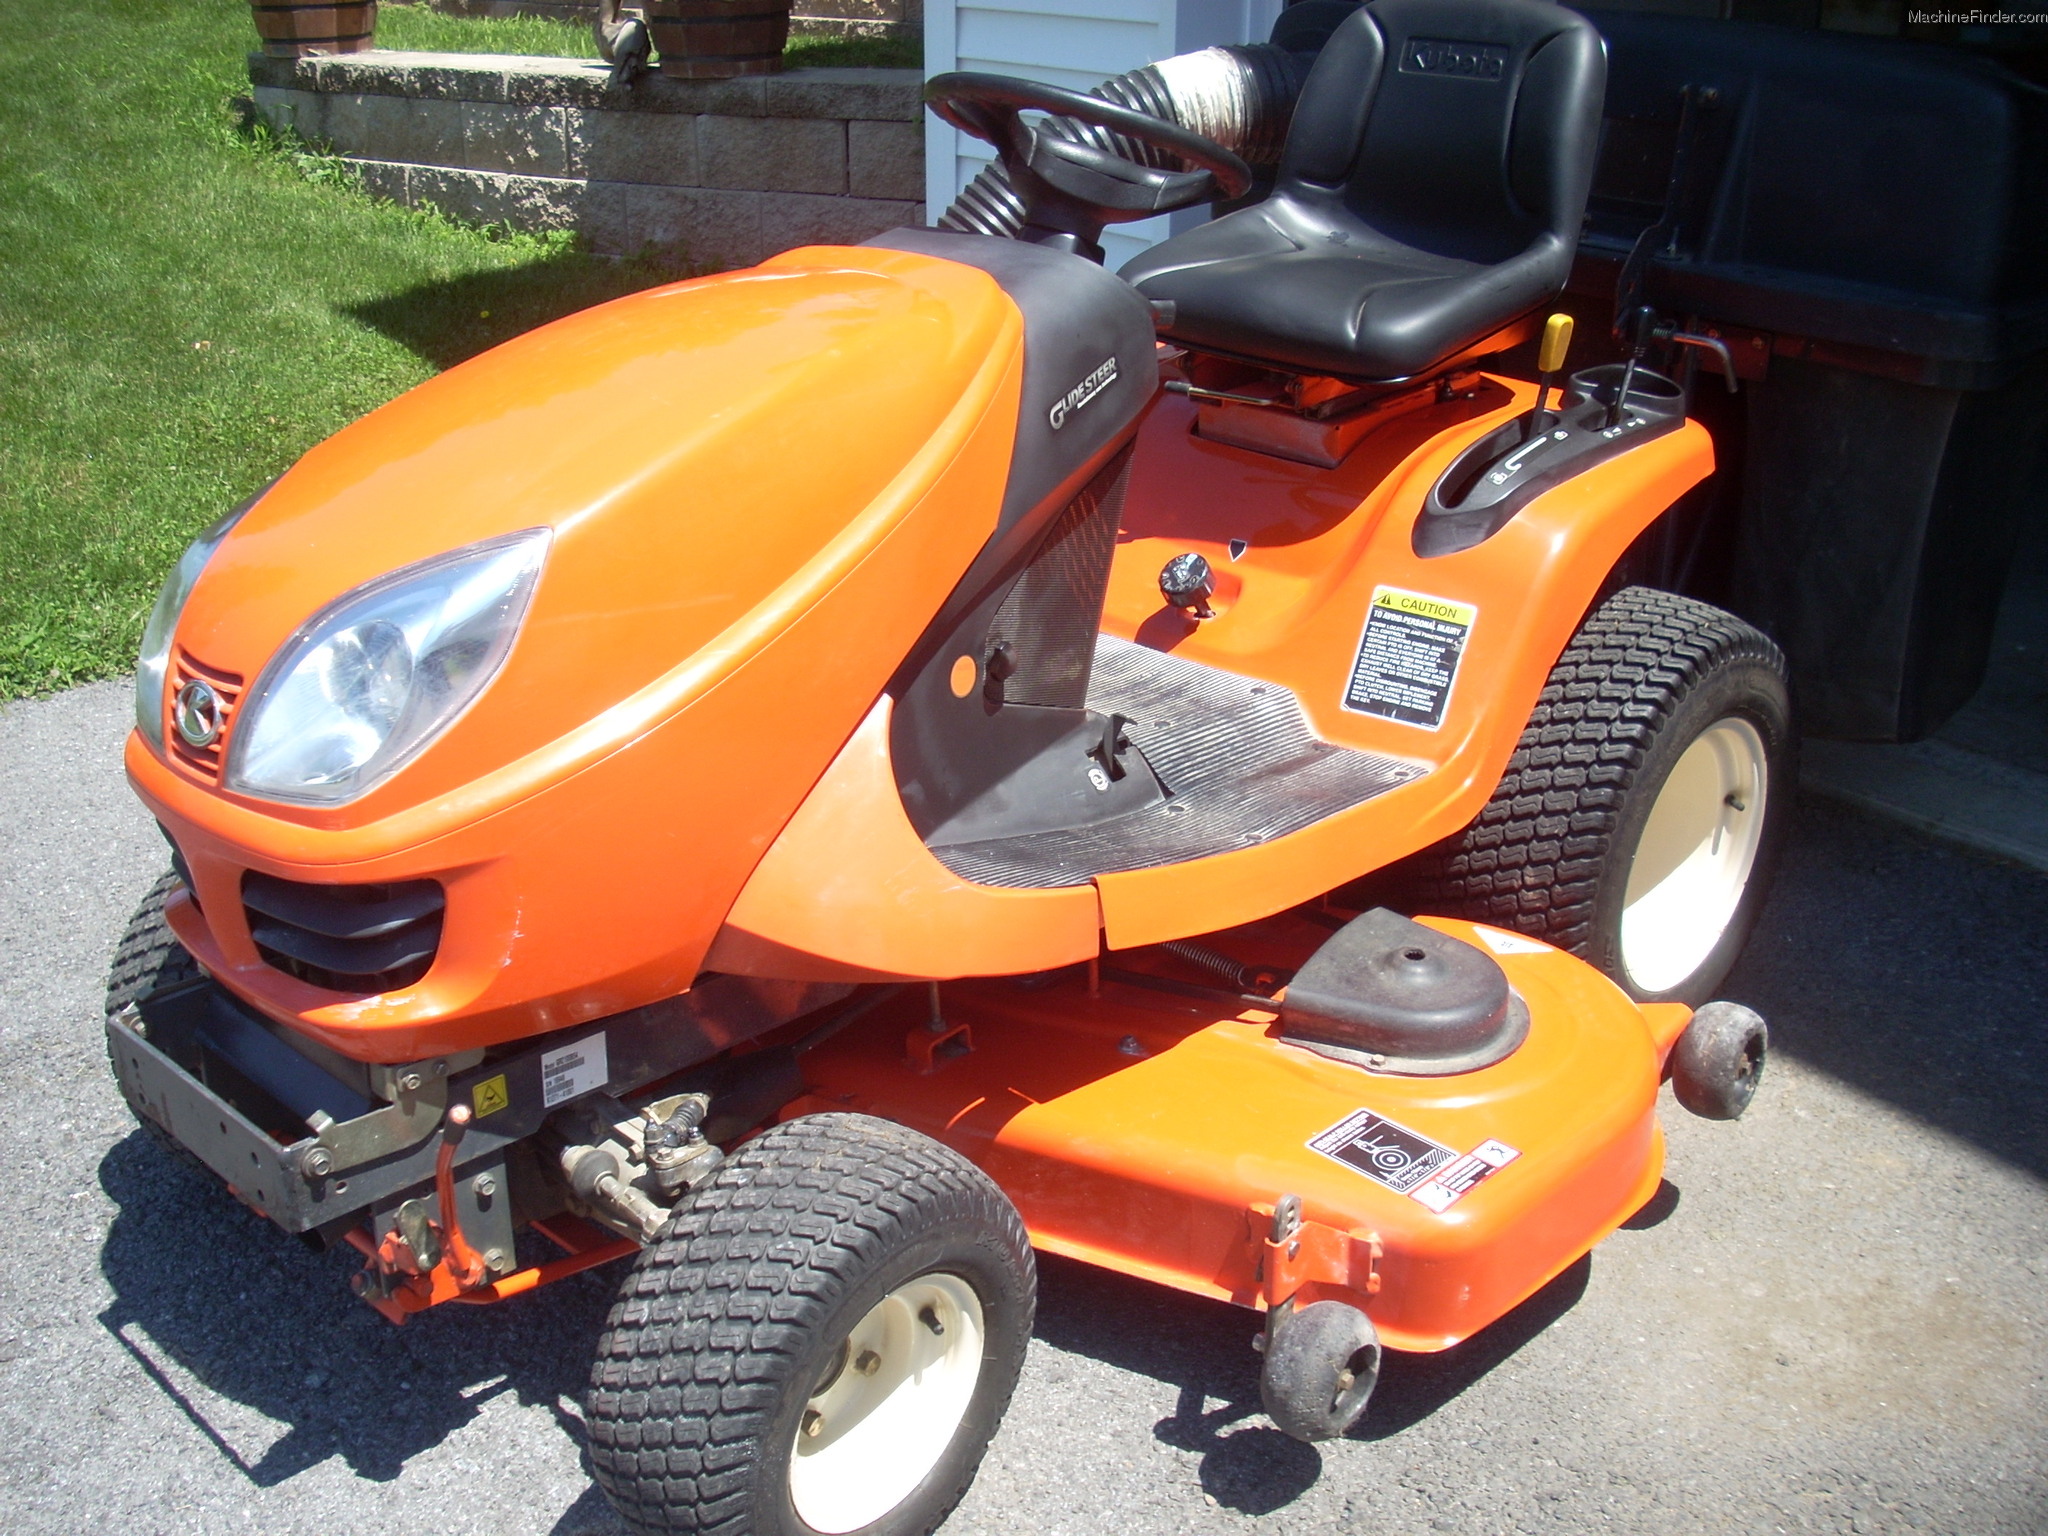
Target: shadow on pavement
(1913, 971)
(590, 1515)
(1412, 1387)
(256, 1338)
(1204, 1348)
(1657, 1210)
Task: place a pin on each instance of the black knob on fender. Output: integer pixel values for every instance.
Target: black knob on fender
(1187, 582)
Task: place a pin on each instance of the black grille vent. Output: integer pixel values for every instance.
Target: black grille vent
(1050, 617)
(359, 939)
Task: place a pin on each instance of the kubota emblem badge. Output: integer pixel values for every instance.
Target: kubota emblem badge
(197, 712)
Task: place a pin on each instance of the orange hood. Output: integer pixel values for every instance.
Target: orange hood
(703, 453)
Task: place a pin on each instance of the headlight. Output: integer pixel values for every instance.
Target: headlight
(163, 622)
(375, 676)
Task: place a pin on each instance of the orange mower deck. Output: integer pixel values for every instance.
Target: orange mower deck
(1155, 1133)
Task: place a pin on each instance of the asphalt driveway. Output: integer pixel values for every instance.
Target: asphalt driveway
(1833, 1318)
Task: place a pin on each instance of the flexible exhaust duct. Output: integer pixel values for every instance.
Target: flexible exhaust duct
(1241, 96)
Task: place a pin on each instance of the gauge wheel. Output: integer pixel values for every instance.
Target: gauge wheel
(1321, 1363)
(1718, 1061)
(1640, 818)
(822, 1341)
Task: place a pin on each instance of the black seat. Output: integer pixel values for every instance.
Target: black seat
(1429, 196)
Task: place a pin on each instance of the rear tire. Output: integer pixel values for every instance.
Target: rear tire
(1640, 819)
(823, 1340)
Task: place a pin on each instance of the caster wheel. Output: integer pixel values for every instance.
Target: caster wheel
(1322, 1362)
(823, 1341)
(1718, 1060)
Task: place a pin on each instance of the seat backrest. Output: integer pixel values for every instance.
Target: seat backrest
(1464, 128)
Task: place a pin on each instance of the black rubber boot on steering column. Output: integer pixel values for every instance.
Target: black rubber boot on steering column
(1241, 96)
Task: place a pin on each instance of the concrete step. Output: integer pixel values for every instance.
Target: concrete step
(1939, 788)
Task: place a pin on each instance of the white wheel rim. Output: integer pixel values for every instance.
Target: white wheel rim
(1694, 859)
(877, 1427)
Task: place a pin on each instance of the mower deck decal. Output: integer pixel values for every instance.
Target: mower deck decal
(1408, 1162)
(1398, 1157)
(575, 1069)
(1408, 657)
(1503, 943)
(1440, 1191)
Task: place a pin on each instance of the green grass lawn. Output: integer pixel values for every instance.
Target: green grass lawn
(429, 31)
(417, 26)
(184, 311)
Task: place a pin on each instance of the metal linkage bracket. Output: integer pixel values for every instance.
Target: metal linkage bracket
(1292, 1254)
(930, 1045)
(398, 1126)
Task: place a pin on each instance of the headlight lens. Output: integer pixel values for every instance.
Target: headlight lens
(163, 623)
(362, 689)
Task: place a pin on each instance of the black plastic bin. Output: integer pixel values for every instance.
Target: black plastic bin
(1866, 223)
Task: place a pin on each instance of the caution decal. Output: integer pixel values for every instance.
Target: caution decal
(1408, 657)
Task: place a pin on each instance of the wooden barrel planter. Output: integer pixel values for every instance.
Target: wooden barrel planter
(294, 31)
(714, 39)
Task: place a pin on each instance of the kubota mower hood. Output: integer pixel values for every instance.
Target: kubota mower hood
(700, 456)
(688, 539)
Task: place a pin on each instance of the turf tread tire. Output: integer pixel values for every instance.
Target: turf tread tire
(148, 959)
(721, 1315)
(149, 956)
(1534, 858)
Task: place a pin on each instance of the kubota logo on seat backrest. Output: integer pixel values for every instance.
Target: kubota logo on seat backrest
(1082, 393)
(1442, 56)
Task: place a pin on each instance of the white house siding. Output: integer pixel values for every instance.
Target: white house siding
(1077, 44)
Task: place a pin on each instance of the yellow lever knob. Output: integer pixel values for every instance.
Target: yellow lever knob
(1557, 339)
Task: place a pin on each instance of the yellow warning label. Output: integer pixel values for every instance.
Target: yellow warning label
(490, 1096)
(1408, 656)
(1437, 608)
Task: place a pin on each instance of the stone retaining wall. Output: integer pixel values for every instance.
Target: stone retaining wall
(726, 171)
(865, 18)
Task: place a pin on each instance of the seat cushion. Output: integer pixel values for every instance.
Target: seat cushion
(1268, 284)
(1429, 195)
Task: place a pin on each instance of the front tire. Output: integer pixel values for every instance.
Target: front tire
(149, 956)
(1640, 818)
(822, 1342)
(148, 959)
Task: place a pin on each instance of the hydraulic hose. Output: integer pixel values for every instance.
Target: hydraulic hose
(1241, 96)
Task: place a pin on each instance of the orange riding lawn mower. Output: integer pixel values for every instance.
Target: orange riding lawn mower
(823, 779)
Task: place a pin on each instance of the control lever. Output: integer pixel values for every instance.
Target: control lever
(1638, 329)
(1713, 344)
(1557, 340)
(1109, 751)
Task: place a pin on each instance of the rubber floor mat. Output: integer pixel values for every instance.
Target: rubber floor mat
(1238, 759)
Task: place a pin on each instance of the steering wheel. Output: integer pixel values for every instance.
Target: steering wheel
(1071, 188)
